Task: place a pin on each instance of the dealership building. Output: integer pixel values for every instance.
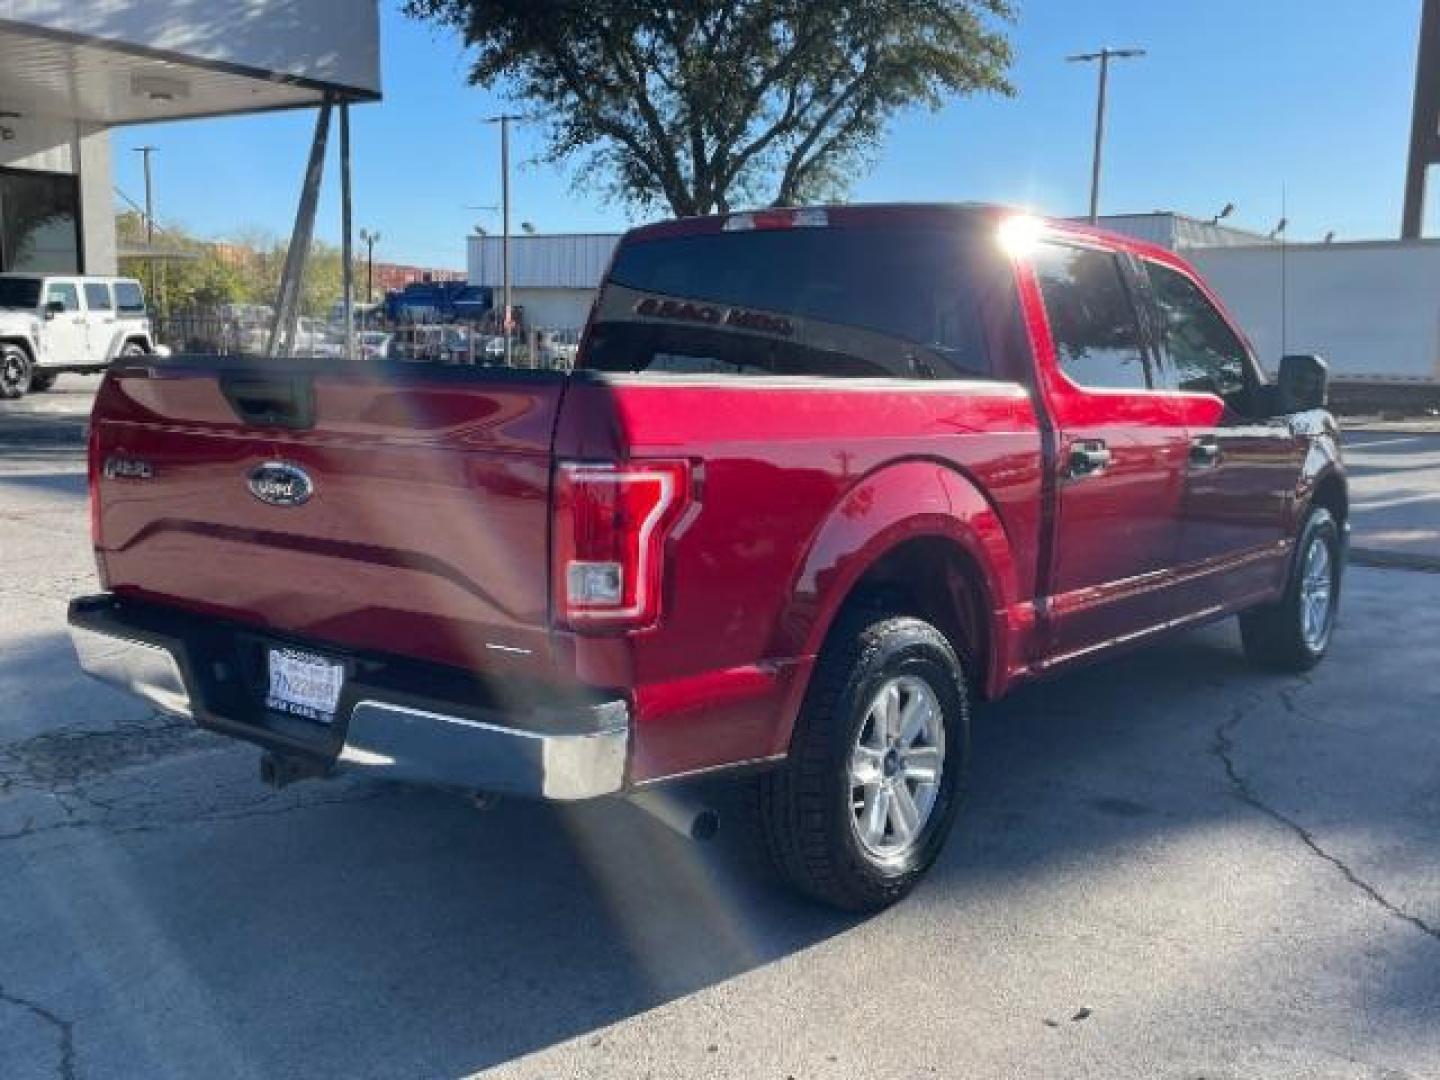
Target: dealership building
(72, 70)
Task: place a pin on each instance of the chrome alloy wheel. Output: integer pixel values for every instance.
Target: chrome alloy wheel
(1317, 586)
(896, 766)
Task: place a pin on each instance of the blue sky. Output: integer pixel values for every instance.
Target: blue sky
(1236, 99)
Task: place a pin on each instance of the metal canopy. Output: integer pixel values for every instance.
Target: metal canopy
(106, 83)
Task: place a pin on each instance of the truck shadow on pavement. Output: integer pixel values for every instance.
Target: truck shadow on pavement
(354, 929)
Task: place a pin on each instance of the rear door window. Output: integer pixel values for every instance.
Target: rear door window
(129, 298)
(1093, 319)
(837, 302)
(97, 296)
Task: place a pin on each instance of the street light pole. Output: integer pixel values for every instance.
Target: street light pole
(1104, 56)
(369, 237)
(504, 120)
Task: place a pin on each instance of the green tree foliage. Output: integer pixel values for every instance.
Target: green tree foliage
(246, 271)
(707, 104)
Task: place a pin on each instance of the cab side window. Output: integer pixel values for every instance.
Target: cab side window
(1092, 317)
(1202, 353)
(64, 293)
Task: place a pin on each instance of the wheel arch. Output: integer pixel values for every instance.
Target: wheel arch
(24, 343)
(895, 533)
(1333, 493)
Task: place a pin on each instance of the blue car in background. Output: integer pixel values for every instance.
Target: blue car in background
(438, 302)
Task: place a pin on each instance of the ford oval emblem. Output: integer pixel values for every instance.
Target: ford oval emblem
(280, 484)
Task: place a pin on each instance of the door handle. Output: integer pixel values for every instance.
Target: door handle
(1204, 452)
(1088, 457)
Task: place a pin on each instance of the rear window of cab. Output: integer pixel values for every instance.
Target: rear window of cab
(840, 302)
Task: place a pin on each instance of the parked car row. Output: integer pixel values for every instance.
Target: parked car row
(73, 323)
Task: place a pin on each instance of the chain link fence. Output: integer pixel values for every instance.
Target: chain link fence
(244, 330)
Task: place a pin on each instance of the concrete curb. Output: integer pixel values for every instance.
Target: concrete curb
(1394, 560)
(1390, 429)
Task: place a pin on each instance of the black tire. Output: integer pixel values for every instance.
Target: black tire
(40, 381)
(134, 348)
(807, 808)
(1276, 636)
(16, 371)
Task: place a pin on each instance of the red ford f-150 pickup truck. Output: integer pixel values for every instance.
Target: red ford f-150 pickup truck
(821, 479)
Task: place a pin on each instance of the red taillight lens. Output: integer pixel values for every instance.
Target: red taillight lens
(611, 523)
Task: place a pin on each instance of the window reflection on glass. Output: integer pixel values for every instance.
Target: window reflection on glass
(66, 295)
(1092, 318)
(40, 222)
(1202, 352)
(833, 302)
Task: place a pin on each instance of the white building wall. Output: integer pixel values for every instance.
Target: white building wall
(1372, 310)
(97, 202)
(553, 309)
(563, 261)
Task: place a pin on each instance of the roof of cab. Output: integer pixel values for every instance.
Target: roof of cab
(910, 215)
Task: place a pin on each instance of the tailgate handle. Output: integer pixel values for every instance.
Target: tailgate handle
(271, 401)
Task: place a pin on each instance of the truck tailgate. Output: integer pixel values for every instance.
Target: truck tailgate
(425, 532)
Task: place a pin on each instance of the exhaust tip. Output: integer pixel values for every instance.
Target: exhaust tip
(705, 825)
(679, 813)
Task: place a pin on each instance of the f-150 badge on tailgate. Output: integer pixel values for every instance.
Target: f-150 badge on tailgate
(280, 484)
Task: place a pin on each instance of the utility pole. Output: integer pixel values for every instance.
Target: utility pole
(347, 253)
(369, 237)
(1424, 122)
(1104, 56)
(145, 152)
(504, 120)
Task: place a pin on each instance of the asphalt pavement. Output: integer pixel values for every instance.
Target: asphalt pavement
(1394, 473)
(1169, 866)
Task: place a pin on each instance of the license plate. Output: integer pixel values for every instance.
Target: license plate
(303, 684)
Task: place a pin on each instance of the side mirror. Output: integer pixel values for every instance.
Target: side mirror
(53, 308)
(1303, 384)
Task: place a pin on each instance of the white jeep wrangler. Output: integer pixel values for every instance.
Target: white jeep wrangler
(51, 323)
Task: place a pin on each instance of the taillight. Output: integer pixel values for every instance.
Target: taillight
(611, 523)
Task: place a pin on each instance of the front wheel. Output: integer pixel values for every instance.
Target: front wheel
(134, 348)
(876, 768)
(16, 371)
(1294, 633)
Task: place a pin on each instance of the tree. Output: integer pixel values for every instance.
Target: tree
(247, 270)
(707, 104)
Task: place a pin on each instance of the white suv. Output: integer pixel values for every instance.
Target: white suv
(51, 323)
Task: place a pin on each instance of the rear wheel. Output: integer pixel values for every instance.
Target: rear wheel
(16, 371)
(41, 381)
(1294, 633)
(876, 768)
(134, 348)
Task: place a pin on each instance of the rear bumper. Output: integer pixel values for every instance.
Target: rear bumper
(390, 724)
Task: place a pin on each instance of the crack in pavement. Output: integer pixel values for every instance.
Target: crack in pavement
(1224, 748)
(65, 1028)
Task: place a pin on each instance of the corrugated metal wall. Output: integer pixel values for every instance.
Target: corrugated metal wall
(1372, 310)
(566, 261)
